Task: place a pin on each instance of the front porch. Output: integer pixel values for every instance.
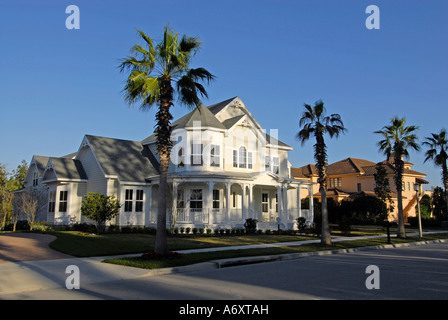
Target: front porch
(223, 204)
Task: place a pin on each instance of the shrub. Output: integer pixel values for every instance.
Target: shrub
(301, 224)
(100, 208)
(41, 226)
(250, 225)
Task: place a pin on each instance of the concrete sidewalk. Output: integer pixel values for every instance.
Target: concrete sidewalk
(25, 276)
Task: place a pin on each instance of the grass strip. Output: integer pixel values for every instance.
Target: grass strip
(193, 258)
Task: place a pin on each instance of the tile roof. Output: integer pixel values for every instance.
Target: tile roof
(350, 166)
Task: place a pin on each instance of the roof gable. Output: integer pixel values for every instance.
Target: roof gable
(127, 160)
(64, 169)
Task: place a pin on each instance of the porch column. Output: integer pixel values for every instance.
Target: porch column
(243, 202)
(311, 212)
(299, 203)
(148, 208)
(285, 212)
(173, 217)
(280, 202)
(210, 202)
(251, 211)
(228, 185)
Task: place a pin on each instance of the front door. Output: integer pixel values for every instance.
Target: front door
(265, 206)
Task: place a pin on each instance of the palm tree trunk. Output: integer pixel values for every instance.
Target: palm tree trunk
(163, 132)
(326, 235)
(399, 166)
(445, 181)
(320, 155)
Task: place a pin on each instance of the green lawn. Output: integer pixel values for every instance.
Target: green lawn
(81, 244)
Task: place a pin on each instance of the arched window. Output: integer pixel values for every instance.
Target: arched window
(242, 157)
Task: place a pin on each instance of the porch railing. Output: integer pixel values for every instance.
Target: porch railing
(221, 216)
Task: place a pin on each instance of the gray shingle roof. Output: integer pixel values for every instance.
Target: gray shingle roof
(66, 168)
(128, 160)
(201, 113)
(41, 163)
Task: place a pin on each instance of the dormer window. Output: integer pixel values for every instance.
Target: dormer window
(35, 179)
(180, 158)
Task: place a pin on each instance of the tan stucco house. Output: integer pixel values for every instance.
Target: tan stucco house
(349, 177)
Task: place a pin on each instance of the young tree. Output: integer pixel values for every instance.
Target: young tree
(382, 190)
(28, 203)
(100, 208)
(397, 139)
(440, 209)
(315, 122)
(438, 152)
(151, 73)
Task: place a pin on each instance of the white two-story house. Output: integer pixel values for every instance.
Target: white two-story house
(225, 168)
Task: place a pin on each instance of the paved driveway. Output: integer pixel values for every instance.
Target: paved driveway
(27, 247)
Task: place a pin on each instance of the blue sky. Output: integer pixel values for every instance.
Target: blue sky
(58, 85)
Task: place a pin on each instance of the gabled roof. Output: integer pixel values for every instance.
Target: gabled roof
(128, 160)
(41, 163)
(207, 117)
(201, 114)
(66, 169)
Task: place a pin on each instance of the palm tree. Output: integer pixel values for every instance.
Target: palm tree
(314, 122)
(438, 151)
(397, 139)
(152, 71)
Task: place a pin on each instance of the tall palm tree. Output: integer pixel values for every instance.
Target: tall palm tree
(156, 74)
(438, 151)
(315, 122)
(397, 139)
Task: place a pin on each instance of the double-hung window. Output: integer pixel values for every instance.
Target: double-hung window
(139, 201)
(63, 196)
(132, 195)
(196, 199)
(129, 195)
(52, 201)
(335, 182)
(275, 165)
(215, 199)
(196, 154)
(215, 156)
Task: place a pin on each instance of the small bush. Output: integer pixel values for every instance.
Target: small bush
(301, 224)
(250, 225)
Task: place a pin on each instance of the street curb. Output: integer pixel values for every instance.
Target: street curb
(232, 262)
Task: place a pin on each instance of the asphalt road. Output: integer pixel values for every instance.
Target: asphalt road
(415, 272)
